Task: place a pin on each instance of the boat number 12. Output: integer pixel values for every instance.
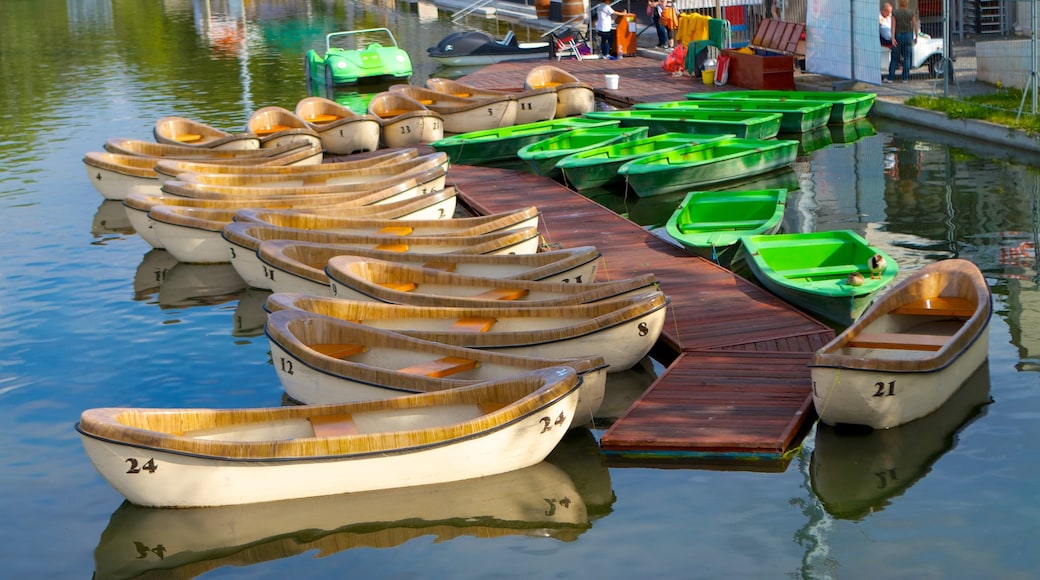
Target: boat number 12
(885, 390)
(137, 467)
(548, 423)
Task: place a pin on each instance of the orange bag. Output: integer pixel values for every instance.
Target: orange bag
(675, 61)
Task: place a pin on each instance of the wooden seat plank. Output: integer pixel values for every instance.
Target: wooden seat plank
(188, 137)
(939, 306)
(399, 286)
(340, 351)
(333, 425)
(473, 324)
(897, 341)
(440, 368)
(503, 294)
(397, 230)
(392, 247)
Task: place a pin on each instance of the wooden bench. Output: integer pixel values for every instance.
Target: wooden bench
(736, 225)
(939, 306)
(333, 425)
(322, 118)
(821, 271)
(392, 247)
(889, 340)
(399, 286)
(270, 130)
(188, 138)
(440, 368)
(442, 266)
(473, 324)
(396, 230)
(340, 351)
(503, 294)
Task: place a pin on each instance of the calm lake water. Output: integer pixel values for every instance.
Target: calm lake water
(92, 318)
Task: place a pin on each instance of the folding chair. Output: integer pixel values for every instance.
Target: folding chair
(566, 42)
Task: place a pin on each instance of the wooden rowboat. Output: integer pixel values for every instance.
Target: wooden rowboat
(434, 205)
(244, 239)
(909, 352)
(622, 331)
(502, 143)
(258, 455)
(598, 167)
(293, 155)
(462, 115)
(826, 273)
(323, 360)
(845, 106)
(573, 97)
(169, 169)
(543, 155)
(358, 278)
(375, 226)
(294, 266)
(743, 124)
(797, 117)
(532, 105)
(404, 121)
(341, 130)
(711, 223)
(695, 166)
(184, 131)
(278, 127)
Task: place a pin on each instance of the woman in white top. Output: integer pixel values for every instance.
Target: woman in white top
(604, 25)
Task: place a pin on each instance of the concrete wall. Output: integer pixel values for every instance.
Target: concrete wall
(1004, 61)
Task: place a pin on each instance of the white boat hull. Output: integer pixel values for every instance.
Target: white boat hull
(116, 186)
(358, 136)
(574, 101)
(492, 115)
(144, 225)
(409, 130)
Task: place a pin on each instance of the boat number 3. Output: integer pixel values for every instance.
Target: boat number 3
(548, 423)
(884, 390)
(137, 467)
(643, 329)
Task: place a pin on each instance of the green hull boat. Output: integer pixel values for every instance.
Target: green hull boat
(544, 155)
(812, 271)
(695, 166)
(796, 117)
(501, 144)
(845, 106)
(598, 167)
(711, 223)
(745, 125)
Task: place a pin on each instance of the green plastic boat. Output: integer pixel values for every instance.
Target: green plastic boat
(711, 223)
(695, 166)
(543, 155)
(812, 271)
(501, 144)
(597, 167)
(745, 125)
(845, 106)
(796, 117)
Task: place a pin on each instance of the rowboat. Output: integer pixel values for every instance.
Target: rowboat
(711, 223)
(462, 115)
(697, 165)
(404, 121)
(845, 106)
(294, 266)
(532, 105)
(184, 131)
(796, 117)
(322, 360)
(622, 331)
(358, 278)
(172, 458)
(169, 169)
(434, 205)
(278, 127)
(543, 155)
(597, 167)
(195, 234)
(502, 143)
(478, 48)
(743, 124)
(244, 239)
(909, 352)
(573, 97)
(857, 472)
(826, 273)
(341, 130)
(298, 154)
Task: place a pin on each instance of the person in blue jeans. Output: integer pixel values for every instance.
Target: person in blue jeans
(904, 37)
(657, 8)
(604, 27)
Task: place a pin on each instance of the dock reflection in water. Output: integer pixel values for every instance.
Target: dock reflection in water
(558, 498)
(857, 472)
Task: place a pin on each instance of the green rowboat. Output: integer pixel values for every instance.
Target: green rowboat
(845, 106)
(543, 155)
(695, 166)
(711, 223)
(597, 167)
(745, 125)
(796, 117)
(501, 144)
(812, 271)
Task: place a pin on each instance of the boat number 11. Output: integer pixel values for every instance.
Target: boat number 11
(885, 390)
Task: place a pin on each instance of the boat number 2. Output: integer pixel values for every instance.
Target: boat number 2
(137, 467)
(884, 390)
(548, 423)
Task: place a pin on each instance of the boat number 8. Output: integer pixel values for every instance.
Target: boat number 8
(884, 390)
(643, 329)
(547, 423)
(148, 466)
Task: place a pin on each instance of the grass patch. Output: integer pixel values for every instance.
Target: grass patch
(1000, 107)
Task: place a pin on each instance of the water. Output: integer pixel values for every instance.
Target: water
(93, 318)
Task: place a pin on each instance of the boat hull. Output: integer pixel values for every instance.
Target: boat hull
(845, 107)
(502, 144)
(759, 125)
(795, 117)
(710, 224)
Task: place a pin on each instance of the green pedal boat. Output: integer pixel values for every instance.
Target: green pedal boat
(797, 117)
(746, 125)
(543, 155)
(695, 166)
(711, 223)
(845, 106)
(501, 144)
(835, 275)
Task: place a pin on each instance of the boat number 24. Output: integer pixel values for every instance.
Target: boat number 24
(137, 467)
(548, 423)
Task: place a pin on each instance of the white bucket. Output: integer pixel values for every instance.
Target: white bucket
(612, 81)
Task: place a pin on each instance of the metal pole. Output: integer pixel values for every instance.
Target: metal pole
(946, 49)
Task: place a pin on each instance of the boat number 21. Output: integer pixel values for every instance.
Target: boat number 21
(885, 389)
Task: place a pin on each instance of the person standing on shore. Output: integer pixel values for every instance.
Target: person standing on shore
(604, 27)
(904, 37)
(656, 9)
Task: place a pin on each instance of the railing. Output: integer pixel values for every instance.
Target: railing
(455, 18)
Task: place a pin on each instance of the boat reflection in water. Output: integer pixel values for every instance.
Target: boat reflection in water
(856, 472)
(558, 498)
(809, 141)
(188, 285)
(151, 273)
(250, 316)
(851, 132)
(111, 218)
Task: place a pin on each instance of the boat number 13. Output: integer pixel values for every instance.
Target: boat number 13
(548, 423)
(885, 390)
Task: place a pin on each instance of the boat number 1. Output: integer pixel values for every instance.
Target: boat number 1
(884, 390)
(547, 423)
(148, 466)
